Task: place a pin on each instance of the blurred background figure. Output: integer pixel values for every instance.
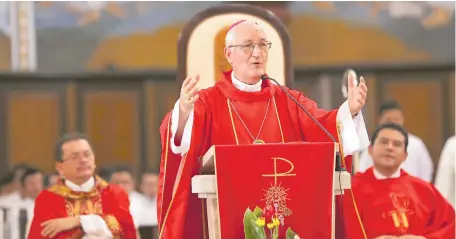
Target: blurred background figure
(13, 186)
(19, 213)
(143, 203)
(6, 185)
(418, 162)
(147, 219)
(51, 179)
(105, 173)
(445, 179)
(149, 187)
(123, 176)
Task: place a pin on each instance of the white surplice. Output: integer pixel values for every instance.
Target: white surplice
(13, 216)
(445, 179)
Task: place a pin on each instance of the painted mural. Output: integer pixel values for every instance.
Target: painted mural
(4, 37)
(80, 36)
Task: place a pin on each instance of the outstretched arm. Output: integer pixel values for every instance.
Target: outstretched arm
(181, 130)
(182, 116)
(352, 130)
(346, 122)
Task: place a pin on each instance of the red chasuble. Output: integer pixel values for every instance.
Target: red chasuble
(108, 201)
(397, 206)
(216, 122)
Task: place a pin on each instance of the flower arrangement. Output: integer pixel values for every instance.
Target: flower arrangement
(255, 222)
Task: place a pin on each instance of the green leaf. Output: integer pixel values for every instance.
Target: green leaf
(260, 232)
(258, 212)
(275, 234)
(251, 229)
(291, 234)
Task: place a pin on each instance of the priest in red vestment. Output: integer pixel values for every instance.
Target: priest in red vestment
(389, 202)
(240, 109)
(81, 205)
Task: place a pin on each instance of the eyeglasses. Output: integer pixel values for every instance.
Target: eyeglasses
(263, 46)
(78, 157)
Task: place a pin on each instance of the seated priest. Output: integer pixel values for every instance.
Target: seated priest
(81, 205)
(243, 107)
(389, 202)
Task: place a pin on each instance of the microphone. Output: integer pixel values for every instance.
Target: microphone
(339, 166)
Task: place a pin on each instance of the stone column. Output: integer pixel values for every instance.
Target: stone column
(23, 36)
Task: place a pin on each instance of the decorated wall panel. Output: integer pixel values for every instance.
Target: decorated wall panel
(75, 36)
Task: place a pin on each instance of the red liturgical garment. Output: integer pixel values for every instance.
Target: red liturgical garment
(108, 201)
(224, 115)
(397, 206)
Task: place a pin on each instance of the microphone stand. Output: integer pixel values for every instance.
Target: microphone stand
(339, 167)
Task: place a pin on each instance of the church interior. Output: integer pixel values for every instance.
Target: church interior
(113, 70)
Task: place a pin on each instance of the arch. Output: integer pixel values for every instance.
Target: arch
(197, 53)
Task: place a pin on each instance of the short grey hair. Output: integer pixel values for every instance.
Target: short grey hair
(230, 36)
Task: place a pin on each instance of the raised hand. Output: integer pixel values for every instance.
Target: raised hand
(188, 94)
(356, 94)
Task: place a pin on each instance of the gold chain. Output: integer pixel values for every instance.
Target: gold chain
(245, 126)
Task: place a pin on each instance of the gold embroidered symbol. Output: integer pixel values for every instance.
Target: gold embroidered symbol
(276, 196)
(400, 212)
(275, 175)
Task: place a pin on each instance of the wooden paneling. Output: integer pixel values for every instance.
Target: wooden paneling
(422, 103)
(306, 85)
(33, 127)
(370, 109)
(71, 107)
(112, 120)
(152, 126)
(165, 95)
(122, 113)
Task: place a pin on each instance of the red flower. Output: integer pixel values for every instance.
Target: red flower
(268, 212)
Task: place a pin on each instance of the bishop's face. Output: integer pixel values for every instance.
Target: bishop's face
(388, 150)
(78, 161)
(248, 53)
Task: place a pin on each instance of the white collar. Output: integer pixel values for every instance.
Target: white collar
(245, 87)
(380, 176)
(85, 187)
